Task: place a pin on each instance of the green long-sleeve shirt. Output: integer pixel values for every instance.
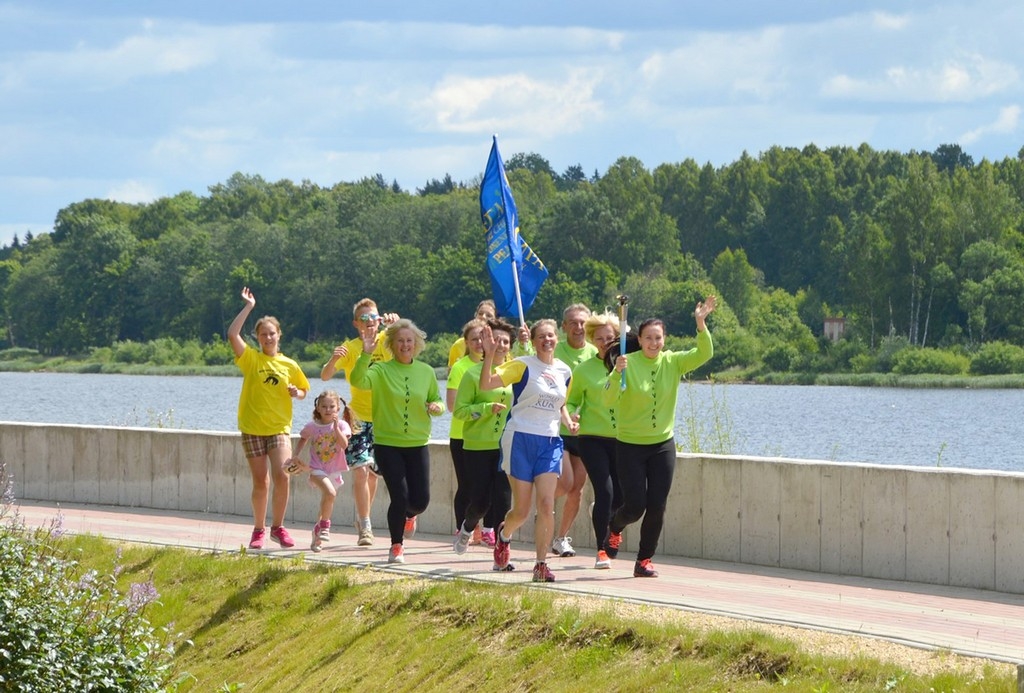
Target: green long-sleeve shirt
(401, 393)
(481, 427)
(586, 398)
(646, 409)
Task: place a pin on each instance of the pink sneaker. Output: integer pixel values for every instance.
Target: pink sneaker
(487, 537)
(256, 541)
(541, 573)
(410, 527)
(281, 536)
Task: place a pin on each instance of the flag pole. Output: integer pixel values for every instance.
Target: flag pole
(623, 300)
(519, 294)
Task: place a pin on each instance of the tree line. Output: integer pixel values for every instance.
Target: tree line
(918, 253)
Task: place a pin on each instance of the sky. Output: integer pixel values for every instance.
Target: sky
(138, 100)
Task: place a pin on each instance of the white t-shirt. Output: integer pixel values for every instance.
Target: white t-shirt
(538, 393)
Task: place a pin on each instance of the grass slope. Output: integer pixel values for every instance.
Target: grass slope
(243, 622)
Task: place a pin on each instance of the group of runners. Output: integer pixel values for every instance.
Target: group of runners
(533, 417)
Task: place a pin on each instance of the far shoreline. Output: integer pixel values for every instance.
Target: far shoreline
(312, 371)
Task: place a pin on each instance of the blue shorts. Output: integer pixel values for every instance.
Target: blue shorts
(527, 456)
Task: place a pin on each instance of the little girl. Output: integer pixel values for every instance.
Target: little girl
(328, 436)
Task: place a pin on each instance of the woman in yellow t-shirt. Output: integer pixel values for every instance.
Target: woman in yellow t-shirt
(270, 380)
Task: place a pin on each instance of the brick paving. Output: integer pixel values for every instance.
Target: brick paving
(966, 621)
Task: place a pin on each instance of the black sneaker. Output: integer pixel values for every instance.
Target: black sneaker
(644, 569)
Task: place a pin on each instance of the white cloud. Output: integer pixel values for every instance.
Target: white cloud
(724, 65)
(962, 79)
(1006, 123)
(514, 102)
(132, 192)
(889, 22)
(160, 50)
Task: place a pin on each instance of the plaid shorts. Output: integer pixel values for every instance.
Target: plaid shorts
(260, 446)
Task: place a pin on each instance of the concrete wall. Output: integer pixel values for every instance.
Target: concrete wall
(939, 526)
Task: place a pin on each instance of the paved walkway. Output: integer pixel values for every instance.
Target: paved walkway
(966, 621)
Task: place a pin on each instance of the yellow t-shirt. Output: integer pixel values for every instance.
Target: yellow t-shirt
(264, 405)
(362, 400)
(457, 351)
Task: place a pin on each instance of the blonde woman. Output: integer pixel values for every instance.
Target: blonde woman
(405, 396)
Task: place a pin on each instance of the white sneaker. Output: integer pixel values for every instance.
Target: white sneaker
(461, 543)
(562, 546)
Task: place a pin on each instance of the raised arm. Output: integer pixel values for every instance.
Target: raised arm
(489, 380)
(331, 367)
(235, 328)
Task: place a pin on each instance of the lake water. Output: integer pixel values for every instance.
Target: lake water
(978, 429)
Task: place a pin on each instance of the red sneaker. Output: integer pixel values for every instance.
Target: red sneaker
(397, 554)
(502, 550)
(410, 527)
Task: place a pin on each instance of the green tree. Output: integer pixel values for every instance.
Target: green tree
(738, 282)
(648, 235)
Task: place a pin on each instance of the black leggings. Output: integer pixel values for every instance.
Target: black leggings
(645, 473)
(406, 472)
(487, 488)
(461, 494)
(598, 456)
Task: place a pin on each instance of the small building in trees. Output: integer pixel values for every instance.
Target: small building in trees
(834, 328)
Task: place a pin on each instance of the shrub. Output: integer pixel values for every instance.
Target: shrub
(218, 352)
(436, 351)
(780, 357)
(735, 348)
(317, 352)
(66, 629)
(864, 363)
(16, 353)
(915, 361)
(885, 359)
(998, 358)
(130, 352)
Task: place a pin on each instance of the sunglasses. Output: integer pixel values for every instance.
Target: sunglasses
(369, 317)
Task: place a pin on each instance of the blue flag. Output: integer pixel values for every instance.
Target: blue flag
(504, 243)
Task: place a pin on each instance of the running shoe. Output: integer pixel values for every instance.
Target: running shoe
(541, 573)
(410, 527)
(325, 530)
(487, 537)
(477, 537)
(365, 537)
(281, 536)
(397, 554)
(602, 562)
(562, 546)
(317, 545)
(256, 541)
(498, 569)
(614, 542)
(502, 550)
(644, 569)
(462, 541)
